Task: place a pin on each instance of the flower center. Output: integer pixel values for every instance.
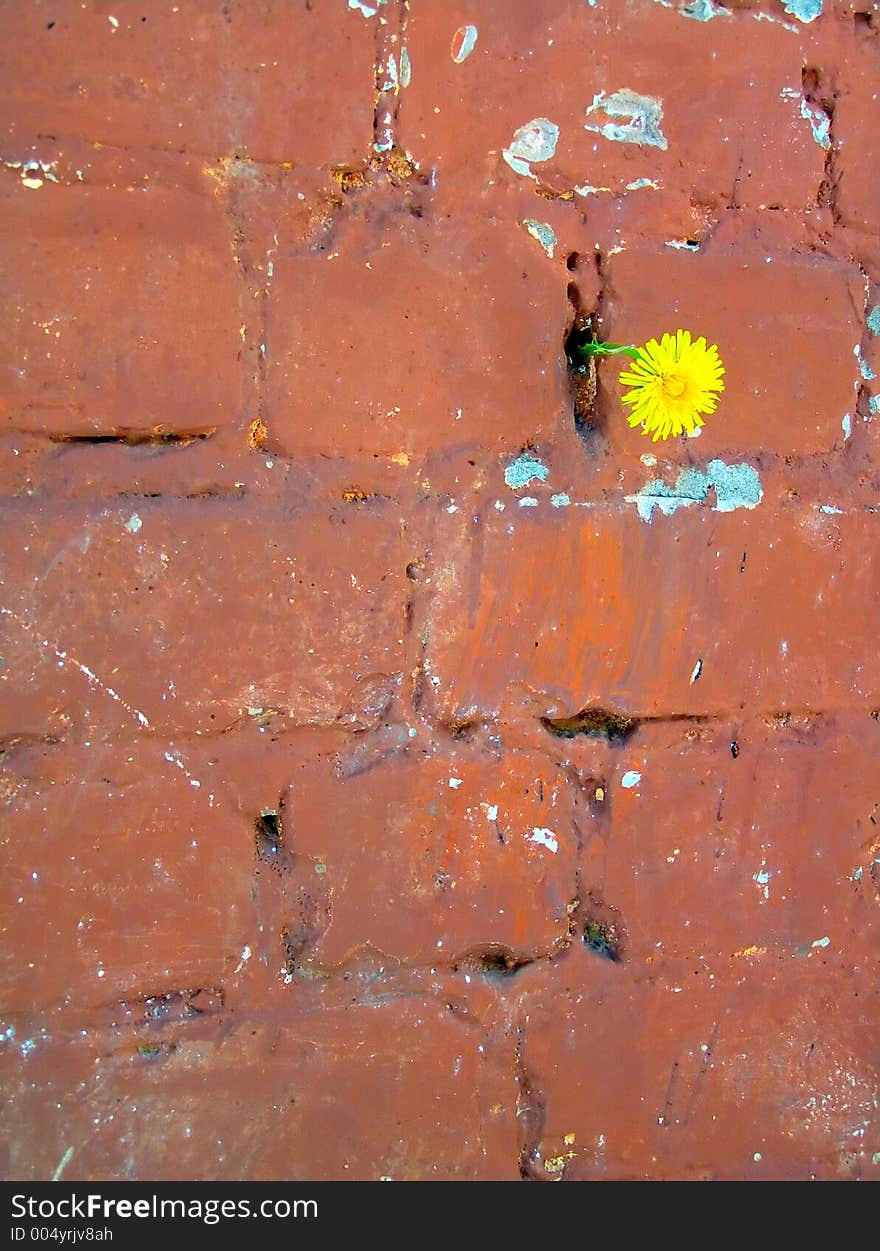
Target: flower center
(673, 385)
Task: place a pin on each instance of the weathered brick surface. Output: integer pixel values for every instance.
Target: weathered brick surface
(120, 312)
(406, 769)
(564, 624)
(202, 77)
(286, 611)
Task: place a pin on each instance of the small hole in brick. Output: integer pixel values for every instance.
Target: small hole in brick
(267, 833)
(49, 25)
(571, 260)
(595, 722)
(603, 939)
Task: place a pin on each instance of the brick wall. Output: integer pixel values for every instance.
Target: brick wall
(404, 773)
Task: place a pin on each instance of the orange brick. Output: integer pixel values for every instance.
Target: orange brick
(133, 845)
(770, 818)
(594, 606)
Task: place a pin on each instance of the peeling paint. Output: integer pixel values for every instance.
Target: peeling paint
(405, 68)
(536, 141)
(523, 470)
(803, 10)
(736, 486)
(543, 233)
(644, 112)
(874, 319)
(544, 838)
(368, 10)
(133, 524)
(560, 501)
(463, 43)
(864, 368)
(699, 10)
(820, 123)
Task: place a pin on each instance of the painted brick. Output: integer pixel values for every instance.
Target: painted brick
(778, 321)
(120, 312)
(432, 313)
(699, 1076)
(286, 610)
(744, 145)
(199, 77)
(563, 630)
(178, 1107)
(439, 860)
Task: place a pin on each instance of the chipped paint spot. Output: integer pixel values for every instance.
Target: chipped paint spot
(454, 783)
(630, 779)
(491, 812)
(368, 10)
(405, 68)
(699, 10)
(544, 838)
(644, 112)
(643, 182)
(864, 368)
(762, 878)
(685, 245)
(829, 508)
(528, 501)
(536, 141)
(874, 319)
(696, 671)
(133, 524)
(821, 942)
(544, 234)
(560, 501)
(846, 425)
(803, 10)
(736, 486)
(523, 470)
(463, 43)
(820, 123)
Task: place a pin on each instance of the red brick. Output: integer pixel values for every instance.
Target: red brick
(738, 139)
(785, 327)
(440, 860)
(107, 855)
(120, 312)
(777, 836)
(192, 77)
(856, 126)
(400, 1090)
(762, 1071)
(443, 334)
(193, 612)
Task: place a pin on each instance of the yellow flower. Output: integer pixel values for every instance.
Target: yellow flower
(673, 382)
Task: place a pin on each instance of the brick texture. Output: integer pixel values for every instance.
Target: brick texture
(407, 770)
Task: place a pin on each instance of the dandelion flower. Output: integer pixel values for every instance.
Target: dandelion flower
(673, 382)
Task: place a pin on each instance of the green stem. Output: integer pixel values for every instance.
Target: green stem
(608, 349)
